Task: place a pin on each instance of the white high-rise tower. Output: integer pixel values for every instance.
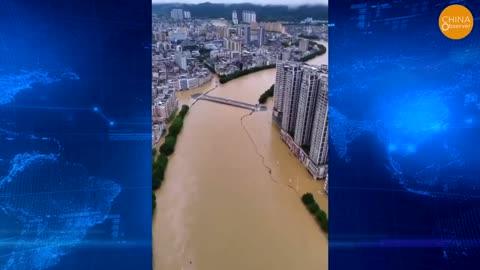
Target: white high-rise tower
(234, 17)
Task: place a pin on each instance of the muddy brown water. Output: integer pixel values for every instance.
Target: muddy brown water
(231, 195)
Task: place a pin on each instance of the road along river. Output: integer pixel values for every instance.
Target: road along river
(231, 195)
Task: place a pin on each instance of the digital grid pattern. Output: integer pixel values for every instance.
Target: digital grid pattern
(75, 135)
(404, 129)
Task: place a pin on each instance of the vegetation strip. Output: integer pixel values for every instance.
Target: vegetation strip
(227, 78)
(314, 209)
(312, 37)
(160, 161)
(269, 93)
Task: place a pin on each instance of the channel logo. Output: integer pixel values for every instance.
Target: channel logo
(456, 22)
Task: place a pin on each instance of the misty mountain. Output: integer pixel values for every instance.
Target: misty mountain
(264, 13)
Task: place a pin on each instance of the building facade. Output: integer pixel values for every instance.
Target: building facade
(301, 108)
(306, 105)
(319, 142)
(303, 45)
(247, 34)
(280, 82)
(164, 106)
(291, 89)
(274, 27)
(232, 44)
(177, 35)
(181, 60)
(249, 16)
(234, 17)
(261, 37)
(176, 14)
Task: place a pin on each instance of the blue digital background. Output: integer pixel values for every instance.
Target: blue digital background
(404, 113)
(75, 134)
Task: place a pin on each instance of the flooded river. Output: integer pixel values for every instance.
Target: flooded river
(231, 195)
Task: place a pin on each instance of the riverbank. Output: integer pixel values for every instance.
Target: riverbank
(160, 158)
(235, 185)
(267, 94)
(314, 209)
(226, 78)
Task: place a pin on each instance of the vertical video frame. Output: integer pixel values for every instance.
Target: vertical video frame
(240, 136)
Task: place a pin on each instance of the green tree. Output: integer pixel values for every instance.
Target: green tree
(161, 161)
(313, 208)
(156, 180)
(183, 111)
(307, 198)
(154, 201)
(263, 97)
(322, 219)
(176, 126)
(168, 147)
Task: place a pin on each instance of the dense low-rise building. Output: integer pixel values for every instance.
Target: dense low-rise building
(183, 47)
(164, 105)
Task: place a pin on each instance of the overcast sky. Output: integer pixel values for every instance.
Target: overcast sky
(260, 2)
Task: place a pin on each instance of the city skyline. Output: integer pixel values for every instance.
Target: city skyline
(259, 2)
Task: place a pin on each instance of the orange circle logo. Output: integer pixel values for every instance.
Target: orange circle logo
(456, 22)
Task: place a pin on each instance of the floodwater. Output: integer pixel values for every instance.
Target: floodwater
(231, 195)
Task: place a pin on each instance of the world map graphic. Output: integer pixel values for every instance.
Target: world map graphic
(54, 201)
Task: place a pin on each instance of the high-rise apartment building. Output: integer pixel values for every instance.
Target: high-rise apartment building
(232, 44)
(181, 60)
(303, 45)
(253, 17)
(319, 142)
(292, 73)
(261, 37)
(246, 34)
(306, 105)
(280, 82)
(176, 14)
(234, 17)
(249, 16)
(301, 109)
(187, 15)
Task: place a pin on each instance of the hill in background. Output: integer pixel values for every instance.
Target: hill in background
(264, 13)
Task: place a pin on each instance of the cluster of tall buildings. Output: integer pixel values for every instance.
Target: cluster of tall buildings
(180, 14)
(232, 44)
(301, 110)
(248, 16)
(247, 35)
